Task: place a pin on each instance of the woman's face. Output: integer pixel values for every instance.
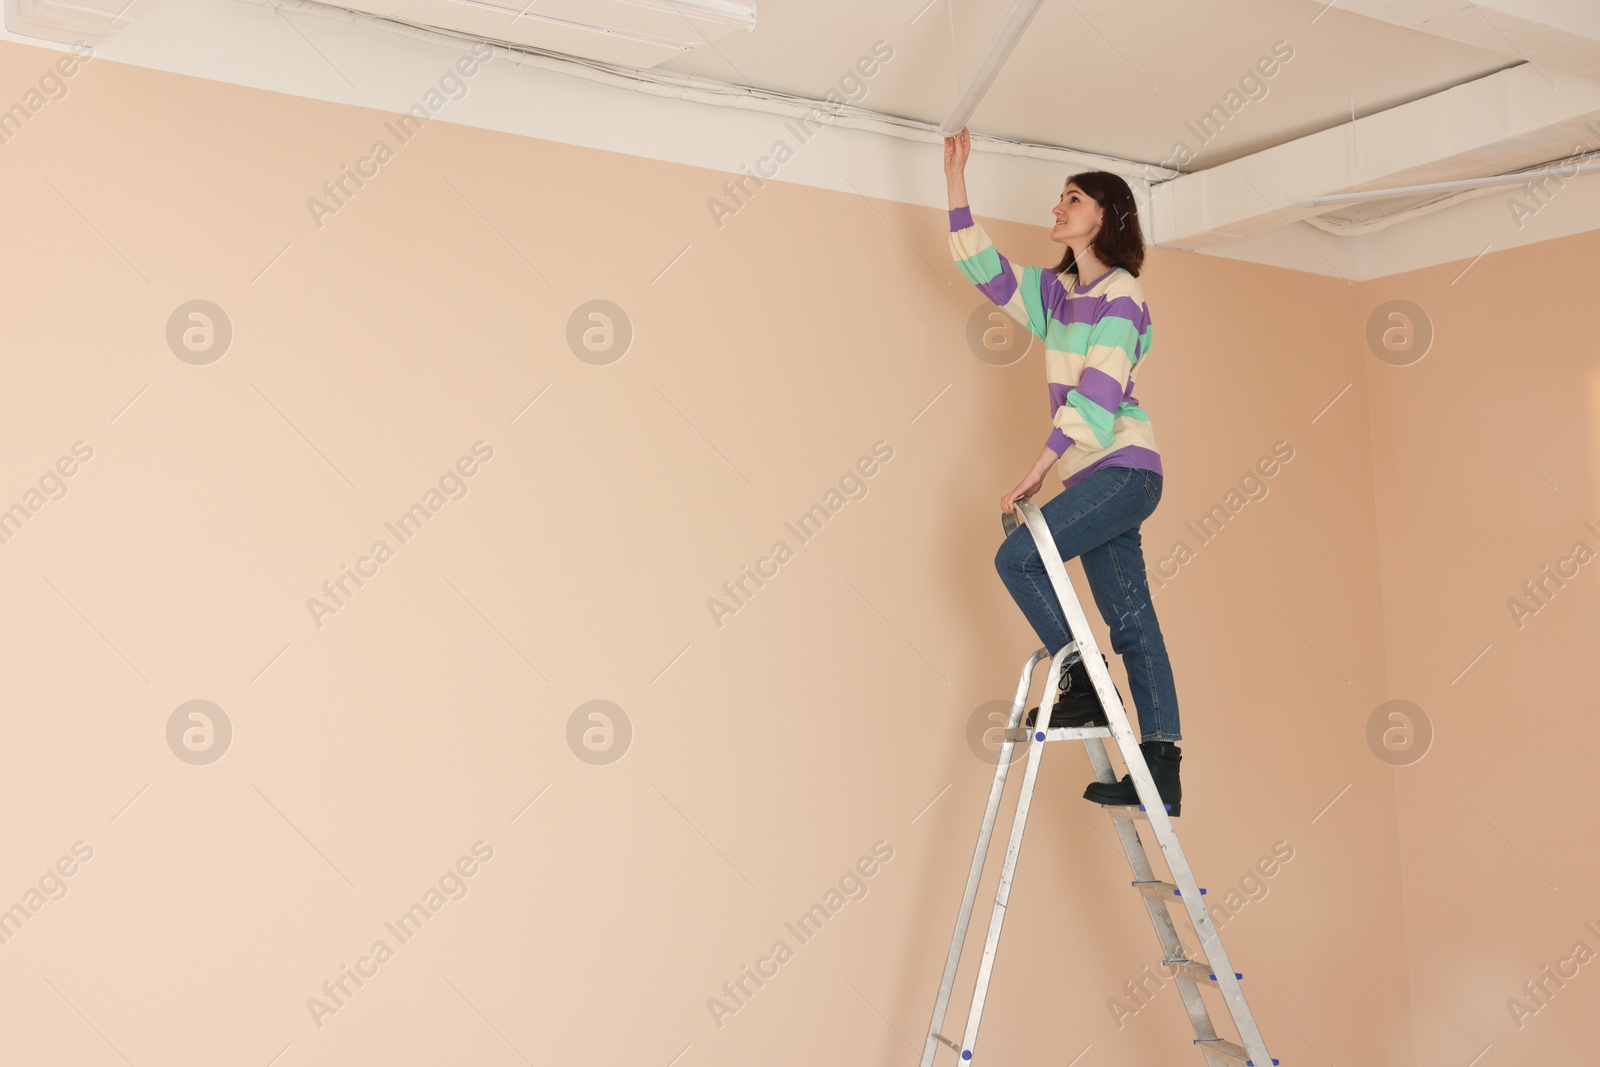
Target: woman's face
(1077, 217)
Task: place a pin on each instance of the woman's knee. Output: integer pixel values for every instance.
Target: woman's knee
(1004, 561)
(1011, 557)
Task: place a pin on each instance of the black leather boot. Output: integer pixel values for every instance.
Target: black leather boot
(1078, 705)
(1163, 758)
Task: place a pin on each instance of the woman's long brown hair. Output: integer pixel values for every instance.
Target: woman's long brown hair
(1120, 243)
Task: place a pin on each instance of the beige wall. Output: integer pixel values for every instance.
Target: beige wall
(769, 754)
(1486, 474)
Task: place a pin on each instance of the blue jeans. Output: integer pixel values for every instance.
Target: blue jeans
(1098, 519)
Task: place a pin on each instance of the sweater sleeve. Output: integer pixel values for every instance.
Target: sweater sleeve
(1111, 346)
(1015, 290)
(1023, 294)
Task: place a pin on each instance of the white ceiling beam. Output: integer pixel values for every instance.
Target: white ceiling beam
(1005, 40)
(1465, 131)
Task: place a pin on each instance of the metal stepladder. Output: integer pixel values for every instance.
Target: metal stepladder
(1189, 974)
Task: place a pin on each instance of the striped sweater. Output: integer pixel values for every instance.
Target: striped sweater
(1096, 337)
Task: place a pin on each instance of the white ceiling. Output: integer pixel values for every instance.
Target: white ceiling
(1374, 94)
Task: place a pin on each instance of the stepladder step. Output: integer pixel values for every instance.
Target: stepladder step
(1230, 1050)
(1058, 733)
(947, 1041)
(1160, 890)
(1130, 811)
(1197, 970)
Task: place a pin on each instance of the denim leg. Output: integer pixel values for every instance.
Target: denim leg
(1022, 570)
(1090, 512)
(1098, 519)
(1116, 575)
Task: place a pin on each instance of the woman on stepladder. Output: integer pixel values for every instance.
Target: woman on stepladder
(1096, 336)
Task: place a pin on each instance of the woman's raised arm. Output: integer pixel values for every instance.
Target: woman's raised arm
(956, 149)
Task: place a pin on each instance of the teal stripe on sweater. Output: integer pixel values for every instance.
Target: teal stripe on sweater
(981, 268)
(1098, 418)
(1079, 337)
(1038, 321)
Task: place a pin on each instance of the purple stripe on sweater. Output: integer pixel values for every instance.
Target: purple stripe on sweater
(1100, 387)
(960, 217)
(1126, 456)
(1058, 442)
(1093, 383)
(1001, 287)
(1089, 309)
